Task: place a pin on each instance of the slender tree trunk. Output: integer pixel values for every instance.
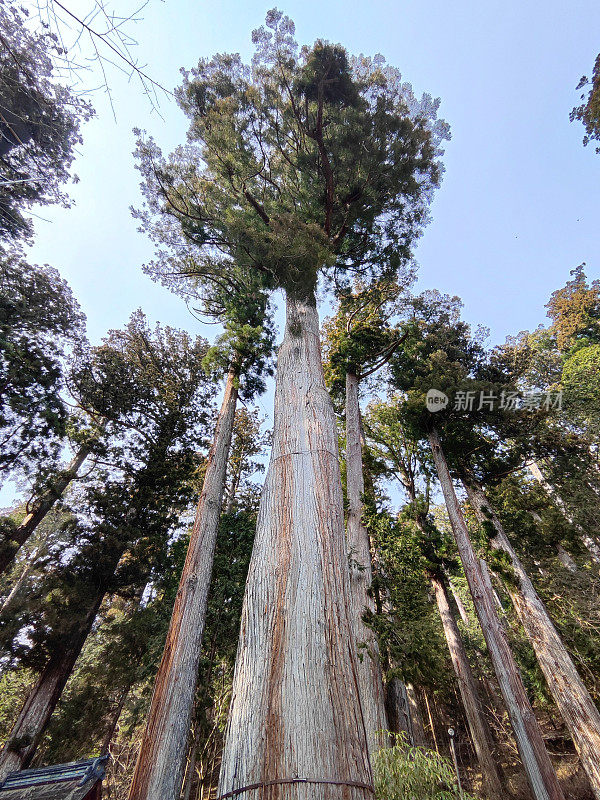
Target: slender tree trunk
(114, 721)
(459, 604)
(161, 761)
(431, 723)
(540, 772)
(189, 773)
(31, 723)
(565, 559)
(17, 538)
(397, 712)
(361, 577)
(466, 681)
(568, 690)
(590, 543)
(13, 598)
(295, 724)
(468, 693)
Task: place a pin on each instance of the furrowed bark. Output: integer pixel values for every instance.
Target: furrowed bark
(416, 718)
(568, 690)
(468, 692)
(591, 544)
(295, 709)
(31, 723)
(397, 710)
(17, 538)
(159, 770)
(538, 767)
(361, 577)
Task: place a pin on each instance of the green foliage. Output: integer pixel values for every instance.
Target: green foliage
(364, 332)
(581, 385)
(248, 349)
(39, 319)
(14, 685)
(270, 183)
(39, 127)
(413, 773)
(409, 630)
(248, 443)
(588, 113)
(122, 519)
(575, 312)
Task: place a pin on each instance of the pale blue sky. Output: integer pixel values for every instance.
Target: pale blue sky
(518, 207)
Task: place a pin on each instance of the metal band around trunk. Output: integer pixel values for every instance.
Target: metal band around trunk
(264, 784)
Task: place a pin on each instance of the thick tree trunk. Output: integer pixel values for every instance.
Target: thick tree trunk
(31, 723)
(397, 709)
(540, 772)
(590, 543)
(468, 692)
(17, 538)
(416, 718)
(568, 690)
(161, 761)
(296, 729)
(361, 577)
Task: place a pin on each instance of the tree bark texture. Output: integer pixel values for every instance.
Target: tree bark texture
(417, 725)
(568, 690)
(160, 766)
(468, 692)
(33, 719)
(538, 767)
(295, 725)
(397, 709)
(459, 604)
(566, 559)
(17, 538)
(361, 577)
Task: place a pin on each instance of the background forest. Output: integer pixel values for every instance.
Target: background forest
(391, 583)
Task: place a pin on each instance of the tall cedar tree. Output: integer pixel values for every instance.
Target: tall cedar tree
(243, 352)
(394, 443)
(358, 340)
(128, 512)
(440, 353)
(306, 163)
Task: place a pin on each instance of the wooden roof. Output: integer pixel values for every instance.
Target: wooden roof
(76, 780)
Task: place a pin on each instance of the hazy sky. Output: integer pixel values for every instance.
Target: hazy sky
(519, 204)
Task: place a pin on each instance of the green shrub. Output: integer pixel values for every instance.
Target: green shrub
(402, 772)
